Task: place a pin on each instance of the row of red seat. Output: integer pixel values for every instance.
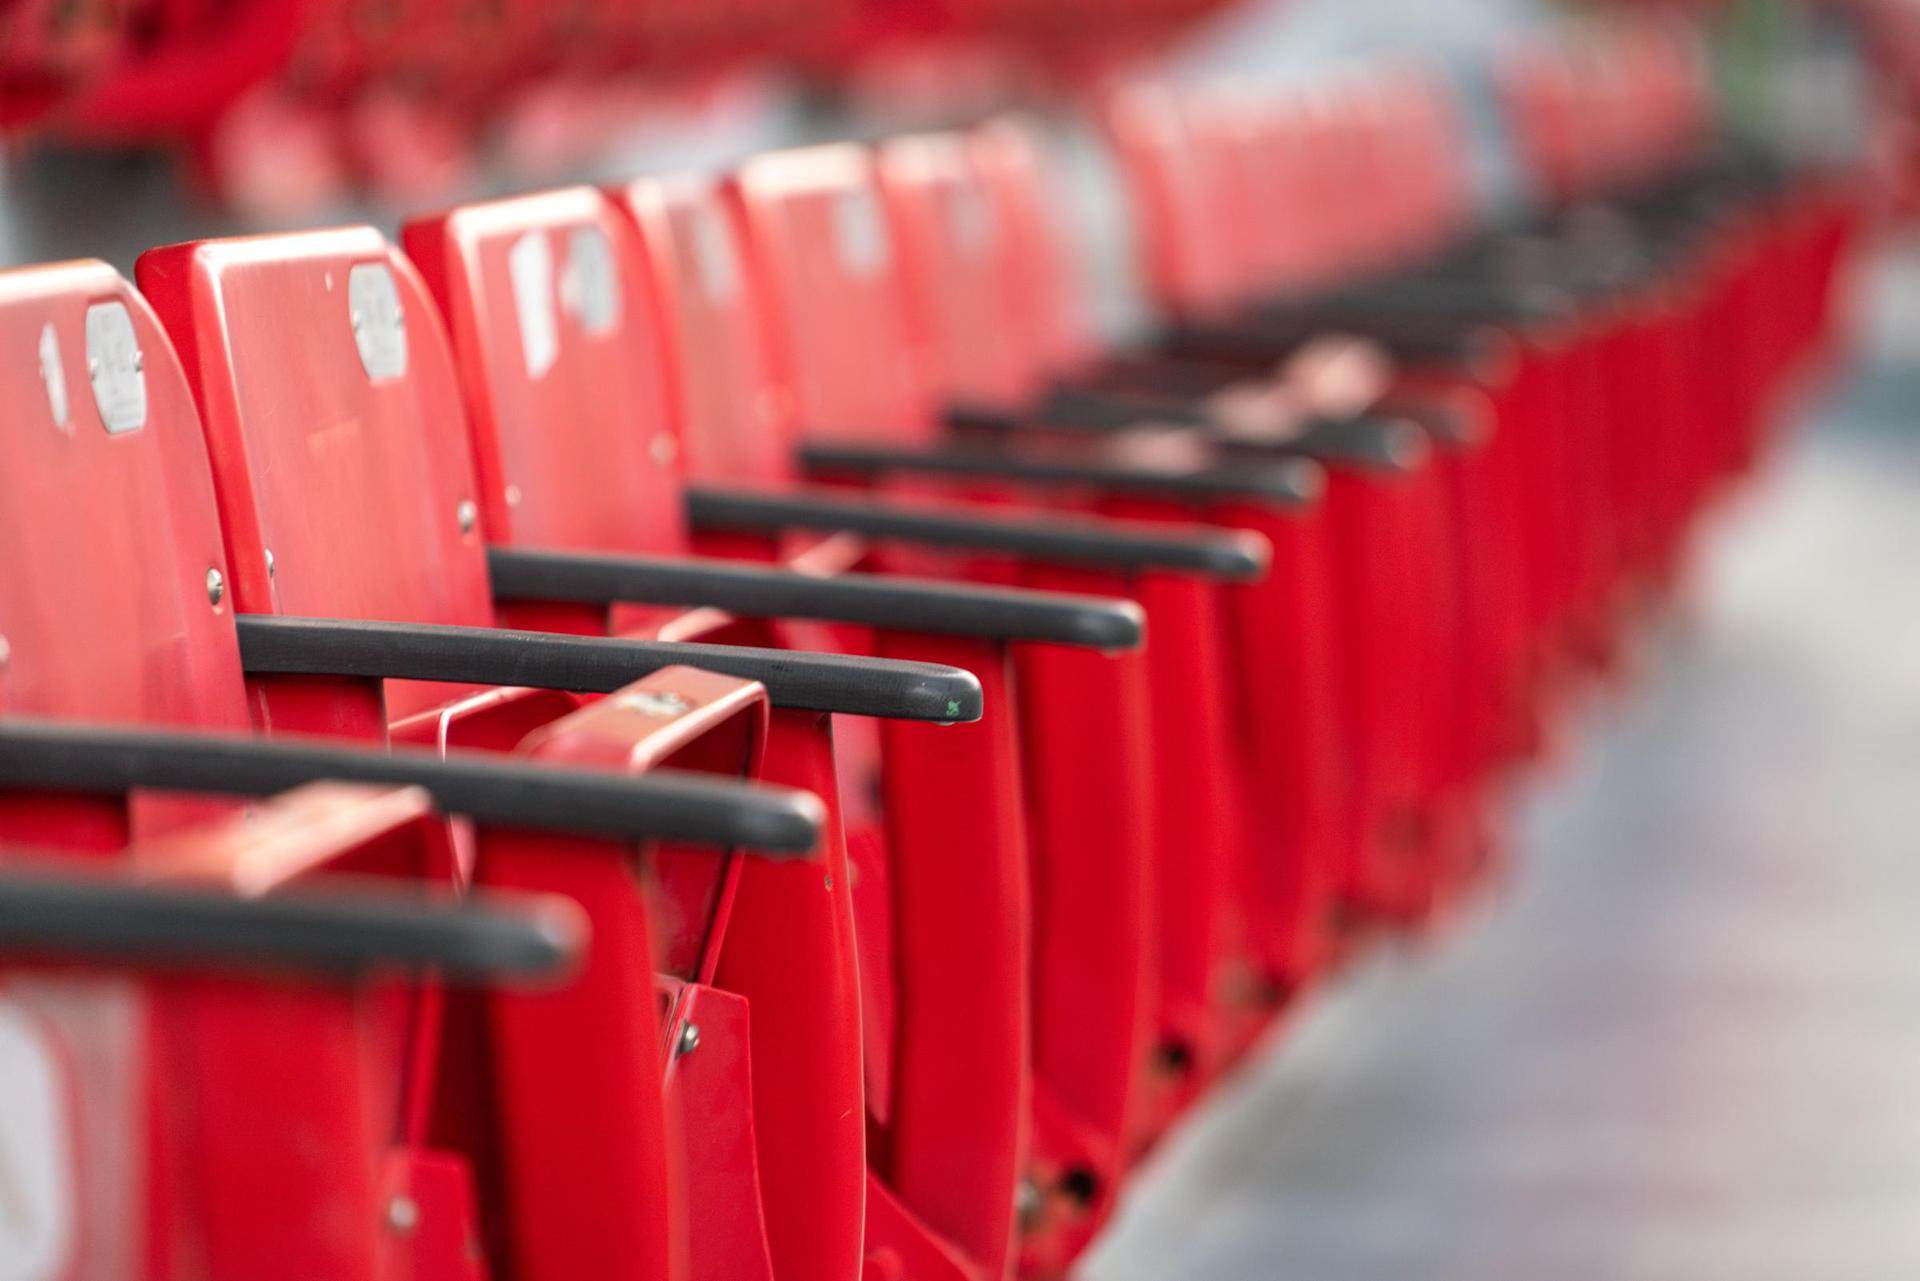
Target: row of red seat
(170, 68)
(666, 533)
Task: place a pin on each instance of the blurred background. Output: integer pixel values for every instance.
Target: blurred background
(126, 120)
(1685, 1039)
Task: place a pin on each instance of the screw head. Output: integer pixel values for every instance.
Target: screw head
(216, 587)
(689, 1040)
(1080, 1185)
(403, 1215)
(269, 552)
(467, 514)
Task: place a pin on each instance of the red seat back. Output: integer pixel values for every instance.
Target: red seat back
(1241, 192)
(1042, 275)
(954, 262)
(830, 276)
(115, 604)
(106, 513)
(1631, 99)
(1186, 240)
(737, 416)
(334, 424)
(1267, 167)
(1427, 145)
(552, 316)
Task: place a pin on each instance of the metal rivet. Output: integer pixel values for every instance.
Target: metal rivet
(139, 361)
(1027, 1204)
(689, 1039)
(467, 514)
(829, 880)
(269, 552)
(403, 1215)
(216, 587)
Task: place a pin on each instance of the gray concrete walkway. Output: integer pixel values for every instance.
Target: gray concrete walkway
(1686, 1045)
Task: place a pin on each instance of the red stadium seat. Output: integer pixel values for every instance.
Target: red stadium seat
(160, 1126)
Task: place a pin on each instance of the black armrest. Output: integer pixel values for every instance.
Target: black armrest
(1435, 301)
(1109, 410)
(1263, 341)
(1366, 441)
(497, 790)
(1074, 407)
(1291, 483)
(965, 415)
(1122, 545)
(1160, 374)
(271, 645)
(1371, 441)
(348, 928)
(766, 591)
